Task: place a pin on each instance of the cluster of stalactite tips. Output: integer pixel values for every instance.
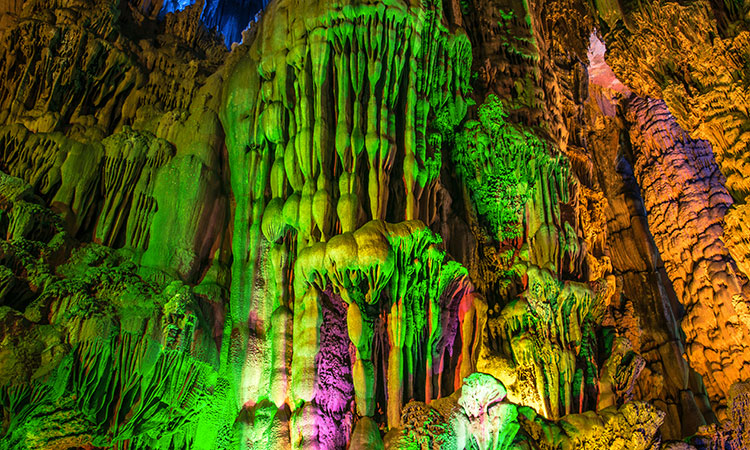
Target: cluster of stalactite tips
(374, 224)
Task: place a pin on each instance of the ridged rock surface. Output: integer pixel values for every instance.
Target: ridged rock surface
(482, 224)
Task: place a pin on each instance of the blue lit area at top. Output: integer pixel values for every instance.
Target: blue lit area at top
(174, 6)
(228, 17)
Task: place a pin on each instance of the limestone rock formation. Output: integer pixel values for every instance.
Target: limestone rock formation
(378, 224)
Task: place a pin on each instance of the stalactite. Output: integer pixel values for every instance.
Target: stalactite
(354, 65)
(381, 224)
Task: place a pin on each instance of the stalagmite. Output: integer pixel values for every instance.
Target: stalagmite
(360, 332)
(307, 321)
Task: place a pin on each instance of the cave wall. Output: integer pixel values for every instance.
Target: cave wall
(326, 225)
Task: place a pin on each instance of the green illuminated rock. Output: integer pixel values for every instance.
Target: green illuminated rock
(385, 224)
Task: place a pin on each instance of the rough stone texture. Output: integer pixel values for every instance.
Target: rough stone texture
(69, 100)
(646, 297)
(681, 44)
(380, 224)
(686, 202)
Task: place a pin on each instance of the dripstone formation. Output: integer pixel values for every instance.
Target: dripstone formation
(399, 224)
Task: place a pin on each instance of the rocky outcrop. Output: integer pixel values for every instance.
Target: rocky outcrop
(478, 416)
(678, 64)
(645, 299)
(66, 330)
(686, 201)
(69, 132)
(388, 224)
